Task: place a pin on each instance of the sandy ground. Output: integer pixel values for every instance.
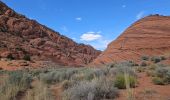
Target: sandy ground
(146, 90)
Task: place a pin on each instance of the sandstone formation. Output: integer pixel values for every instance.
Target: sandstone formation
(149, 36)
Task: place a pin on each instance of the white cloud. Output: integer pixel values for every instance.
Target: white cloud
(90, 36)
(78, 19)
(101, 44)
(140, 15)
(123, 6)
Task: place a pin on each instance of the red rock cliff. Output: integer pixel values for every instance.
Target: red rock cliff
(148, 36)
(20, 36)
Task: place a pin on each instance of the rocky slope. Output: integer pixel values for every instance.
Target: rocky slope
(20, 37)
(148, 36)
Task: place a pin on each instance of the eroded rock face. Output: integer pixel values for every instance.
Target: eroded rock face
(21, 36)
(148, 36)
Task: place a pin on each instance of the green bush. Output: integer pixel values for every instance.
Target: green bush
(27, 58)
(145, 58)
(120, 81)
(10, 56)
(156, 59)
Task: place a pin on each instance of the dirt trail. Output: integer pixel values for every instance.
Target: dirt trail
(57, 90)
(146, 90)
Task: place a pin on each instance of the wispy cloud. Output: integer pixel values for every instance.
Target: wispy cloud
(64, 28)
(123, 6)
(140, 15)
(95, 39)
(78, 19)
(90, 36)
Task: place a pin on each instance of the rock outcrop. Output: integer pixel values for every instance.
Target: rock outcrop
(148, 36)
(20, 36)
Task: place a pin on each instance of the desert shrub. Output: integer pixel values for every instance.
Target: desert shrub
(120, 81)
(150, 73)
(156, 59)
(162, 76)
(57, 76)
(20, 78)
(158, 81)
(132, 63)
(145, 58)
(3, 28)
(163, 57)
(143, 64)
(140, 69)
(152, 66)
(97, 89)
(121, 70)
(161, 72)
(161, 65)
(39, 92)
(89, 74)
(67, 84)
(14, 83)
(27, 58)
(10, 56)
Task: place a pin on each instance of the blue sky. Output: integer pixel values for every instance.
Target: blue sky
(94, 22)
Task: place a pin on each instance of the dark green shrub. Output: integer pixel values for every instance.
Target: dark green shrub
(10, 56)
(120, 81)
(163, 57)
(27, 58)
(145, 58)
(156, 59)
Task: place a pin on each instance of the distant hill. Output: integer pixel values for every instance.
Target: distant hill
(21, 37)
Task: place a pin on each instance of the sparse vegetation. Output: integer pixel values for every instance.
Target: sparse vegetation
(162, 76)
(13, 83)
(97, 89)
(80, 83)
